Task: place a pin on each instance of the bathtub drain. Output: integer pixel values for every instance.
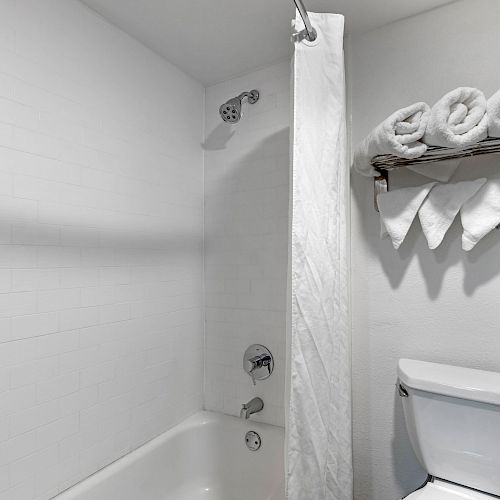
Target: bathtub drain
(253, 441)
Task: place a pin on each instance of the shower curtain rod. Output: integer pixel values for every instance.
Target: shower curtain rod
(310, 33)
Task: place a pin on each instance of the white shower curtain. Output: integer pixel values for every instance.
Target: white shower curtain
(319, 445)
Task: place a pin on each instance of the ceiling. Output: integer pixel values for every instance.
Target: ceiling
(215, 40)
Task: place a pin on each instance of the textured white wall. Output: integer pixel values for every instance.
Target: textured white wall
(101, 227)
(439, 306)
(246, 224)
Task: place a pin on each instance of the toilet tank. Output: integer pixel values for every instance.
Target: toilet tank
(453, 420)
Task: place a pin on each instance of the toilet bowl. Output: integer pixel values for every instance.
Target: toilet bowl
(453, 419)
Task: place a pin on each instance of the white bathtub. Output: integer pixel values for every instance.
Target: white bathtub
(205, 457)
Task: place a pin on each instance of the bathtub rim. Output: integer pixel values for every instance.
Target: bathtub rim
(196, 420)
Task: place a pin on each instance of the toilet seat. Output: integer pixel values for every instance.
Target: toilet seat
(442, 490)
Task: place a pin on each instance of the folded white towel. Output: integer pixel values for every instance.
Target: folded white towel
(441, 206)
(458, 119)
(398, 210)
(480, 214)
(398, 135)
(494, 115)
(441, 171)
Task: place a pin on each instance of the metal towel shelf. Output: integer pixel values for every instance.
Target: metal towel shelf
(386, 163)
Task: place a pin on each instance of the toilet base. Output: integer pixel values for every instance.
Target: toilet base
(437, 489)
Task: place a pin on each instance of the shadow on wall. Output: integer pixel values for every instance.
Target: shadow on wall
(480, 265)
(406, 472)
(258, 168)
(247, 206)
(219, 137)
(119, 239)
(246, 248)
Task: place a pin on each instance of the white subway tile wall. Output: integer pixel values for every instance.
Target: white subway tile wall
(101, 245)
(246, 232)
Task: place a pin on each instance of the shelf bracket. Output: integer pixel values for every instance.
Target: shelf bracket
(380, 185)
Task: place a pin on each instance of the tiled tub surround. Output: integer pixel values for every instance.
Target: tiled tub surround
(101, 236)
(246, 240)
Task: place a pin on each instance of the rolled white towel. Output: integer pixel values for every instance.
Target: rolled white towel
(494, 115)
(458, 119)
(399, 135)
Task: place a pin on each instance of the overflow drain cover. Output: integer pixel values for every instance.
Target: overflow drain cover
(252, 440)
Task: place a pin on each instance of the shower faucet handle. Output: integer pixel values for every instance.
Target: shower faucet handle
(258, 362)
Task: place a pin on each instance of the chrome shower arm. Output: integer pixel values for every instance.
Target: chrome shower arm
(252, 96)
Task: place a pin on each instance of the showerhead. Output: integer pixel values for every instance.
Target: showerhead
(230, 111)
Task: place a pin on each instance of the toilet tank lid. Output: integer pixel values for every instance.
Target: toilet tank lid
(453, 381)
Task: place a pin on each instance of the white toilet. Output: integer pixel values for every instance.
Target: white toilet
(453, 420)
